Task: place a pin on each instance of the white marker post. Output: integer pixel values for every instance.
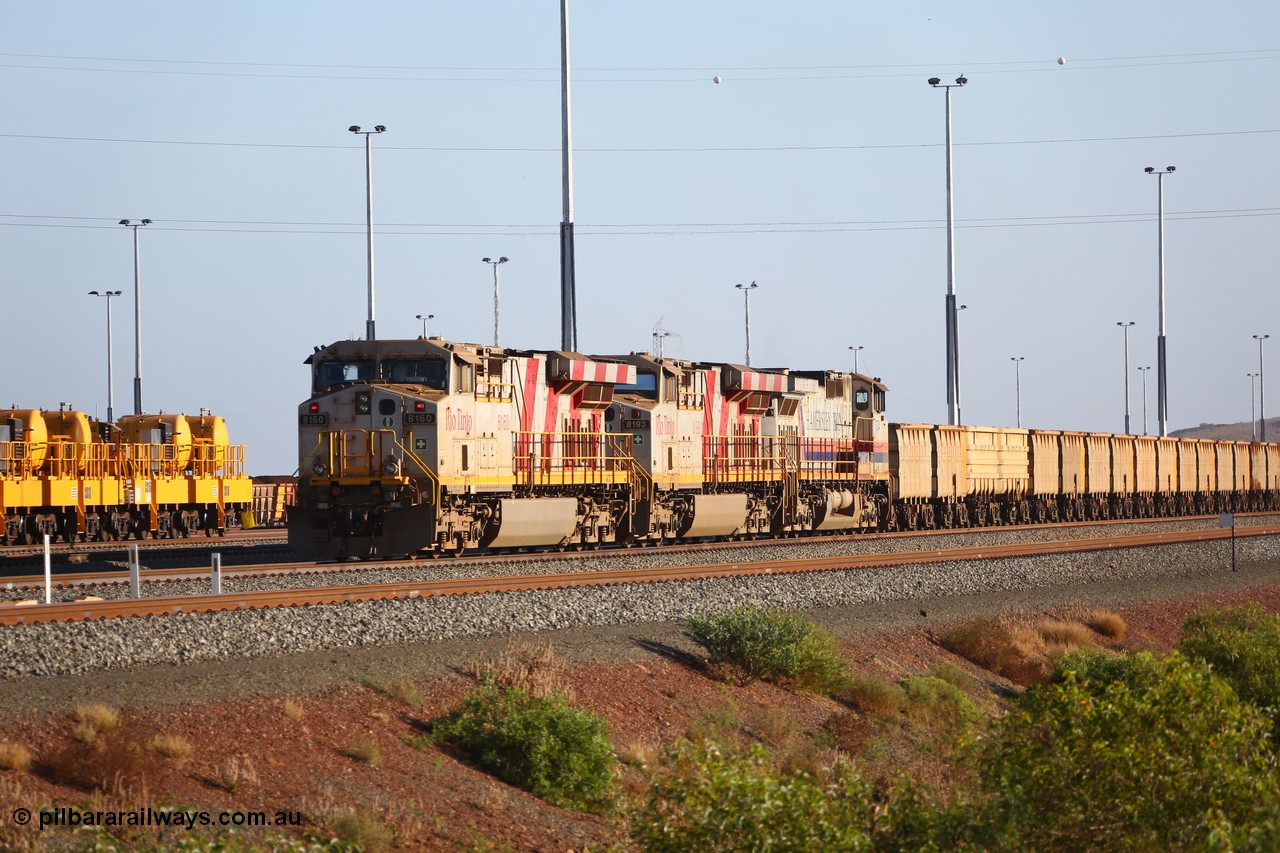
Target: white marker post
(1229, 520)
(48, 573)
(217, 574)
(135, 582)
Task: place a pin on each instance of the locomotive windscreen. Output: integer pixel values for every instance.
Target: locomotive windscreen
(646, 385)
(430, 372)
(329, 373)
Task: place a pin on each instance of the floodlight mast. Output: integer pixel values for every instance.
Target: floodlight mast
(952, 343)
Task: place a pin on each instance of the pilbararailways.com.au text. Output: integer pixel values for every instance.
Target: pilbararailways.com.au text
(149, 817)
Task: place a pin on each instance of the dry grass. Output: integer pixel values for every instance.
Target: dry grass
(15, 757)
(1062, 637)
(532, 667)
(1108, 623)
(402, 690)
(175, 747)
(774, 726)
(363, 831)
(94, 720)
(238, 772)
(293, 710)
(871, 694)
(641, 753)
(1019, 657)
(366, 750)
(116, 762)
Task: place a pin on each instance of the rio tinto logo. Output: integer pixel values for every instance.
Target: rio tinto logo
(456, 420)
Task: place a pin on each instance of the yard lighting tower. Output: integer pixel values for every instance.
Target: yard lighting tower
(1162, 389)
(746, 307)
(1125, 327)
(855, 351)
(424, 318)
(368, 205)
(1143, 371)
(1017, 387)
(1262, 391)
(111, 394)
(568, 287)
(953, 356)
(1253, 412)
(137, 315)
(495, 265)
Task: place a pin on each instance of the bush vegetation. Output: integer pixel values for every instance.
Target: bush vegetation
(1105, 751)
(771, 644)
(1127, 752)
(711, 798)
(539, 743)
(872, 694)
(1242, 644)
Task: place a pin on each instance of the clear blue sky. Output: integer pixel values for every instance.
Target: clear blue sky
(816, 168)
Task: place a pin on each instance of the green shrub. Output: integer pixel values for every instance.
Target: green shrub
(953, 674)
(771, 644)
(539, 743)
(1133, 753)
(871, 694)
(938, 706)
(1242, 644)
(1096, 670)
(708, 799)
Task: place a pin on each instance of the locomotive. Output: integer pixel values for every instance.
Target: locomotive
(435, 446)
(432, 446)
(68, 476)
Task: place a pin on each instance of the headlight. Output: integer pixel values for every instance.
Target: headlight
(362, 402)
(392, 466)
(320, 469)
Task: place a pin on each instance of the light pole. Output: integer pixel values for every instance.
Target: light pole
(368, 205)
(137, 315)
(955, 359)
(855, 351)
(568, 286)
(495, 264)
(1143, 371)
(1017, 387)
(111, 394)
(1253, 421)
(1162, 395)
(953, 354)
(746, 307)
(1126, 326)
(1262, 391)
(424, 318)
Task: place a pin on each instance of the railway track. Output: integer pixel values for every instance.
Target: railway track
(20, 614)
(65, 579)
(80, 552)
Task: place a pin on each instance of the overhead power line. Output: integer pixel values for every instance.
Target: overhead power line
(646, 150)
(629, 229)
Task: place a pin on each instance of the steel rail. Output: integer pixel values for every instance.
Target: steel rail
(25, 614)
(66, 580)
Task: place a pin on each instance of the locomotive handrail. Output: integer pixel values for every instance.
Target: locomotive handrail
(422, 465)
(556, 458)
